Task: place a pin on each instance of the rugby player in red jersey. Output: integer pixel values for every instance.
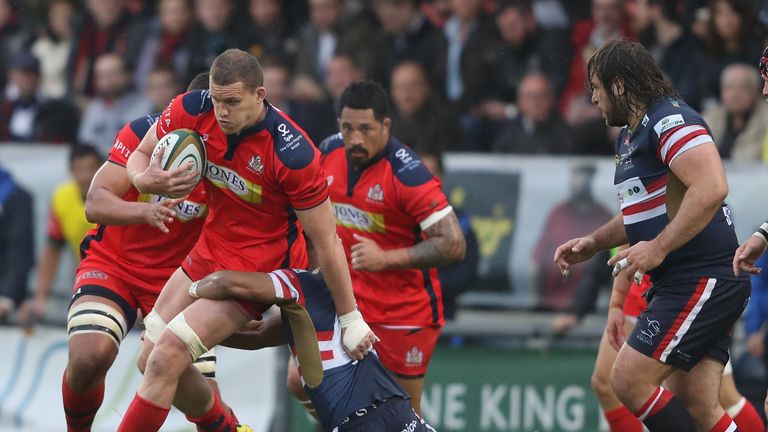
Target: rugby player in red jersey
(126, 260)
(396, 227)
(264, 185)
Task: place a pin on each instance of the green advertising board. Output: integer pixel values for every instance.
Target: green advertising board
(479, 389)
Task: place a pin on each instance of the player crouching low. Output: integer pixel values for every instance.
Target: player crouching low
(350, 395)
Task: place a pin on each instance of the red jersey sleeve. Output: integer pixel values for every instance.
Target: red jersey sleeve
(297, 166)
(53, 228)
(184, 111)
(421, 194)
(129, 138)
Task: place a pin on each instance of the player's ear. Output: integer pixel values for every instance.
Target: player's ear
(618, 87)
(261, 92)
(387, 122)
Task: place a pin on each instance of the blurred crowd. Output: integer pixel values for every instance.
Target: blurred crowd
(502, 76)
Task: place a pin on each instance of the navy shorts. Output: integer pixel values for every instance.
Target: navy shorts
(393, 415)
(688, 319)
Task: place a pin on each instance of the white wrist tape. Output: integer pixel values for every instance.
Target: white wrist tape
(356, 329)
(762, 232)
(193, 289)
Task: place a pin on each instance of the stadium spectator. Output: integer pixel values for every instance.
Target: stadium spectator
(732, 38)
(115, 104)
(67, 224)
(406, 35)
(418, 119)
(459, 71)
(166, 43)
(436, 11)
(525, 47)
(578, 213)
(740, 122)
(330, 31)
(53, 47)
(460, 277)
(315, 115)
(162, 86)
(342, 71)
(22, 101)
(675, 49)
(608, 21)
(266, 33)
(17, 254)
(12, 36)
(214, 32)
(109, 28)
(537, 127)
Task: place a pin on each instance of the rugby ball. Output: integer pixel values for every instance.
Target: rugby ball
(182, 147)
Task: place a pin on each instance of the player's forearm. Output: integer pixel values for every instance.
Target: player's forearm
(336, 275)
(619, 292)
(269, 334)
(137, 164)
(102, 206)
(444, 245)
(611, 234)
(46, 270)
(698, 206)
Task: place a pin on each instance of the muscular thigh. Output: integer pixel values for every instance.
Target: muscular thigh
(215, 320)
(174, 297)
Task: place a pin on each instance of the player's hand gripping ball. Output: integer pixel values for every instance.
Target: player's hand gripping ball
(179, 148)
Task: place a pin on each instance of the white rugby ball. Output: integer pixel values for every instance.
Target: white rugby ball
(182, 147)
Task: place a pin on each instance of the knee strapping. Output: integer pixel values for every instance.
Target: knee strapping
(154, 326)
(180, 328)
(95, 317)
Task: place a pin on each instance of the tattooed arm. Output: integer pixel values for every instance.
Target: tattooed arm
(444, 245)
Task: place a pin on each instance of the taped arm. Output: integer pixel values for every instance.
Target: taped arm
(444, 245)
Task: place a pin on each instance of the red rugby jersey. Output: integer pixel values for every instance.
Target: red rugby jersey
(390, 201)
(254, 181)
(137, 246)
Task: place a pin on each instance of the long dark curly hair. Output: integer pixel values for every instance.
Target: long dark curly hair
(631, 63)
(747, 30)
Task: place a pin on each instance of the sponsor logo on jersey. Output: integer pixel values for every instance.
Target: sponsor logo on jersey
(631, 191)
(376, 193)
(185, 210)
(94, 275)
(414, 357)
(291, 141)
(121, 148)
(225, 178)
(330, 180)
(256, 164)
(667, 123)
(352, 217)
(645, 120)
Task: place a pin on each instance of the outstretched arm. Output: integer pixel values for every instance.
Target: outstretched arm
(261, 334)
(230, 284)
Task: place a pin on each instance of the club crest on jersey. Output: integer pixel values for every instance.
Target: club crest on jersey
(256, 165)
(376, 193)
(414, 357)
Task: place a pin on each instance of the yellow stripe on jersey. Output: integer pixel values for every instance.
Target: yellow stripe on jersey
(225, 178)
(352, 217)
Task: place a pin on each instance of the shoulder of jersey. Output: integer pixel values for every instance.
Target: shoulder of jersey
(141, 125)
(331, 143)
(670, 114)
(292, 146)
(406, 165)
(197, 102)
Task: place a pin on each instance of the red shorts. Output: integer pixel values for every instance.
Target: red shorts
(131, 289)
(406, 351)
(196, 267)
(635, 302)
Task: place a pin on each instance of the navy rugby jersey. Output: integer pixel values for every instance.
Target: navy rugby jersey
(643, 160)
(347, 385)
